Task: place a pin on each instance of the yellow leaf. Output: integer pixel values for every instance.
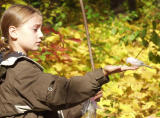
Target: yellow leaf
(77, 35)
(126, 108)
(148, 105)
(57, 66)
(20, 2)
(6, 6)
(52, 38)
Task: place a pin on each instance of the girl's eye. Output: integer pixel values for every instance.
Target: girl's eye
(35, 30)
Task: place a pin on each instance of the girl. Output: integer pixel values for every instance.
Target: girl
(25, 90)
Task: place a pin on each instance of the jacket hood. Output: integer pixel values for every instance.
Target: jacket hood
(13, 57)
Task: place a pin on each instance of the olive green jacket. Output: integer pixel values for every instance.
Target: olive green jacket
(27, 92)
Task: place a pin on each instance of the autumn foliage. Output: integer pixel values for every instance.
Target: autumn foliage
(114, 37)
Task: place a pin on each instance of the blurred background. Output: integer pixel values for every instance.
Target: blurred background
(118, 29)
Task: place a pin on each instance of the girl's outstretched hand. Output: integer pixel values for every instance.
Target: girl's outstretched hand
(110, 69)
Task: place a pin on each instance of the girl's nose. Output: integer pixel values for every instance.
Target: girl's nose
(40, 34)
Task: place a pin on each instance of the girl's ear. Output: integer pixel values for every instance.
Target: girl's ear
(13, 32)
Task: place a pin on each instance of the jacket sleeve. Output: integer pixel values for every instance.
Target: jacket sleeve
(43, 91)
(73, 112)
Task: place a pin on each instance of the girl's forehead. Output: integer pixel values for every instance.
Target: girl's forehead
(34, 20)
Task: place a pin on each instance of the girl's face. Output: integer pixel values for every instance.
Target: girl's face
(29, 34)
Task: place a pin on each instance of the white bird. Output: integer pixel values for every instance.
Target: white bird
(136, 62)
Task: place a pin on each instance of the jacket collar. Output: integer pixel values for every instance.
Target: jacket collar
(13, 57)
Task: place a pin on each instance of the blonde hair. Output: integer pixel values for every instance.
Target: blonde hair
(14, 16)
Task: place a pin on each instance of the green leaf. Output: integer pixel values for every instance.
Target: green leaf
(42, 57)
(20, 2)
(145, 43)
(158, 114)
(35, 59)
(114, 31)
(96, 15)
(134, 36)
(6, 6)
(46, 4)
(86, 7)
(155, 38)
(36, 3)
(154, 25)
(154, 58)
(143, 33)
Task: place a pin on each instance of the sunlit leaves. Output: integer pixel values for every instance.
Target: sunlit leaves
(131, 94)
